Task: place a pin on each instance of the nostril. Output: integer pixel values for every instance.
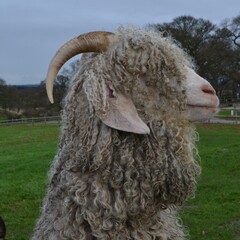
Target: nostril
(208, 89)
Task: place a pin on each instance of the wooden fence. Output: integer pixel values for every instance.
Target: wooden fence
(57, 119)
(32, 120)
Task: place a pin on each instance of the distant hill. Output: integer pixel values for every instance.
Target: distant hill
(27, 86)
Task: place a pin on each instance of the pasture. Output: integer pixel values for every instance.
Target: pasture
(26, 153)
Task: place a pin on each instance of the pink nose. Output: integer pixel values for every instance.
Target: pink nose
(208, 89)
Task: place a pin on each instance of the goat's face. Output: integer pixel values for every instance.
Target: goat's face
(180, 94)
(202, 101)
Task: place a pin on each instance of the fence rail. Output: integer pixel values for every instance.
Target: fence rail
(54, 119)
(30, 120)
(225, 120)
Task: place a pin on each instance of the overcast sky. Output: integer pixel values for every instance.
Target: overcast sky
(32, 30)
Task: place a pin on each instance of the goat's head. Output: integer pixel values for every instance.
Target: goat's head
(199, 100)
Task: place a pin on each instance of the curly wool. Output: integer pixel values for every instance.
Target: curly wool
(108, 184)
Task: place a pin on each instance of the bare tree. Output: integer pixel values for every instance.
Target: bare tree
(2, 82)
(190, 32)
(233, 28)
(212, 48)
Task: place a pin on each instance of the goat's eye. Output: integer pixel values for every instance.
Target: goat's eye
(110, 93)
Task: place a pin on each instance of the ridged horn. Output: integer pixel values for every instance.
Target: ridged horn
(88, 42)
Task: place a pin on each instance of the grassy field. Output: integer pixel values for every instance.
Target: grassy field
(26, 153)
(214, 214)
(25, 156)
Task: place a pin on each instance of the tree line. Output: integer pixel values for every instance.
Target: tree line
(215, 49)
(31, 100)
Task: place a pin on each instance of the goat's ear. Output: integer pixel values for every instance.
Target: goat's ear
(122, 114)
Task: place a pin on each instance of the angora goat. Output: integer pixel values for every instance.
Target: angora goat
(126, 160)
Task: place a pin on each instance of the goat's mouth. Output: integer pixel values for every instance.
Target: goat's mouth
(200, 112)
(213, 108)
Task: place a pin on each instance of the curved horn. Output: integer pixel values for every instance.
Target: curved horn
(89, 42)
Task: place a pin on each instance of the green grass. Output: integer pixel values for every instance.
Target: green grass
(26, 153)
(224, 113)
(215, 211)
